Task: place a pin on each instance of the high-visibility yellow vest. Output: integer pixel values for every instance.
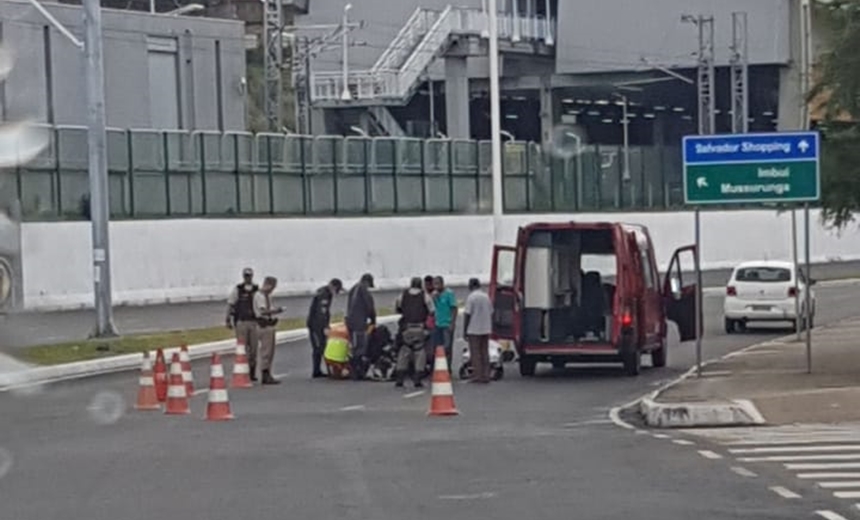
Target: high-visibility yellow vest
(336, 350)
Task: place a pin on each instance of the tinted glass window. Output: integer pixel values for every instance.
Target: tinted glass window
(763, 274)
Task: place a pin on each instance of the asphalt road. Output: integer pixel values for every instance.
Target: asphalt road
(24, 329)
(317, 449)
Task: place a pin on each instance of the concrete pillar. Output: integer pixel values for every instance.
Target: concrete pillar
(550, 112)
(318, 121)
(457, 98)
(791, 99)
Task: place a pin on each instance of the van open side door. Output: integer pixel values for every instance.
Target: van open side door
(503, 293)
(679, 292)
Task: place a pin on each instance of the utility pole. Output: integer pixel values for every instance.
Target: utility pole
(495, 119)
(740, 73)
(273, 61)
(97, 153)
(345, 95)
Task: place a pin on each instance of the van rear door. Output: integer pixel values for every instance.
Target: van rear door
(679, 292)
(503, 293)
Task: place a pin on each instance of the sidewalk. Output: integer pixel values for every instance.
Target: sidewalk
(771, 380)
(31, 328)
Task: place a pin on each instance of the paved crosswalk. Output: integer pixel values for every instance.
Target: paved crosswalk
(825, 455)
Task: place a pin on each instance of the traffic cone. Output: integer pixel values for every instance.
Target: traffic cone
(177, 399)
(187, 375)
(218, 408)
(160, 376)
(146, 398)
(241, 370)
(442, 391)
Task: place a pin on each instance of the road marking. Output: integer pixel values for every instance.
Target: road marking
(683, 442)
(846, 494)
(743, 471)
(827, 475)
(843, 438)
(846, 484)
(640, 432)
(281, 376)
(353, 407)
(474, 496)
(660, 436)
(410, 395)
(799, 449)
(708, 454)
(823, 466)
(790, 458)
(586, 423)
(784, 492)
(830, 515)
(199, 391)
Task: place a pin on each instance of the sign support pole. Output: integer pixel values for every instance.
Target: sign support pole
(807, 297)
(797, 320)
(697, 257)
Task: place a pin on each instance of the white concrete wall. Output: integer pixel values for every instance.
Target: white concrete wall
(181, 260)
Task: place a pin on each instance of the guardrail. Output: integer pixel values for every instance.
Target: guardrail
(174, 173)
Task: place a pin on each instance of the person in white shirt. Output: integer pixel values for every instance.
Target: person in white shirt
(267, 322)
(477, 326)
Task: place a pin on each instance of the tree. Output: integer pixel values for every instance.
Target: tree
(836, 91)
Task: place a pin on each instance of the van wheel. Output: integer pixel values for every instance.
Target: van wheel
(632, 359)
(527, 366)
(558, 364)
(730, 326)
(658, 357)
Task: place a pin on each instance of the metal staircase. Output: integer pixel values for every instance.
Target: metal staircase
(397, 73)
(384, 121)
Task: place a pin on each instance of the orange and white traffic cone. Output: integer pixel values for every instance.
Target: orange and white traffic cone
(187, 375)
(241, 370)
(160, 376)
(218, 408)
(146, 398)
(177, 398)
(442, 391)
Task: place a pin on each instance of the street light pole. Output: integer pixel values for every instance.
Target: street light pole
(495, 117)
(97, 154)
(345, 95)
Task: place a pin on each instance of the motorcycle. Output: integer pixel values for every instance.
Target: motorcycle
(498, 357)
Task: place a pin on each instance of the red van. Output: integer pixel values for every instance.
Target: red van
(589, 292)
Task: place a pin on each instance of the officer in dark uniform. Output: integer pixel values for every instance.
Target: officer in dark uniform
(242, 318)
(319, 319)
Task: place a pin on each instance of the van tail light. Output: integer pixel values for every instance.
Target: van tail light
(626, 318)
(792, 292)
(731, 291)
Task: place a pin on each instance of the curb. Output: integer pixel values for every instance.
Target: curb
(83, 369)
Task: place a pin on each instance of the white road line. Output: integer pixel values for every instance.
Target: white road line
(845, 484)
(784, 492)
(843, 438)
(828, 475)
(410, 395)
(823, 466)
(846, 494)
(281, 376)
(797, 449)
(660, 436)
(641, 432)
(586, 423)
(352, 408)
(798, 458)
(474, 496)
(743, 471)
(683, 442)
(199, 391)
(830, 515)
(708, 454)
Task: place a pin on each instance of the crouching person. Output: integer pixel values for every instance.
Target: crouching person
(415, 307)
(336, 353)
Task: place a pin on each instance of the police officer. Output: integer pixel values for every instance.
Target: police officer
(415, 307)
(267, 322)
(242, 319)
(360, 312)
(319, 319)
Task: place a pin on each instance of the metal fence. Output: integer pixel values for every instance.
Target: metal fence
(156, 173)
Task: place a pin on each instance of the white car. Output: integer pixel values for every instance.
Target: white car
(765, 291)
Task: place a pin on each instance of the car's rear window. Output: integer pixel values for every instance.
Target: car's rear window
(763, 274)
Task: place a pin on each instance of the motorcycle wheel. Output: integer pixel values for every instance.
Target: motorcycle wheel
(498, 373)
(465, 372)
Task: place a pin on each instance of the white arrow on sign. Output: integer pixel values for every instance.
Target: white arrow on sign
(803, 145)
(701, 182)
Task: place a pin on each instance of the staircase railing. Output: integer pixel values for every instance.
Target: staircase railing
(400, 48)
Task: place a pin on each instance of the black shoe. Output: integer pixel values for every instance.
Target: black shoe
(398, 384)
(317, 375)
(253, 371)
(419, 384)
(268, 379)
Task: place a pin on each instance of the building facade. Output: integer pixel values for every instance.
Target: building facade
(419, 67)
(161, 71)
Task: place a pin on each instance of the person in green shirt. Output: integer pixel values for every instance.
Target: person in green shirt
(446, 317)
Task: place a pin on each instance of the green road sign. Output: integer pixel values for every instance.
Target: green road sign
(776, 167)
